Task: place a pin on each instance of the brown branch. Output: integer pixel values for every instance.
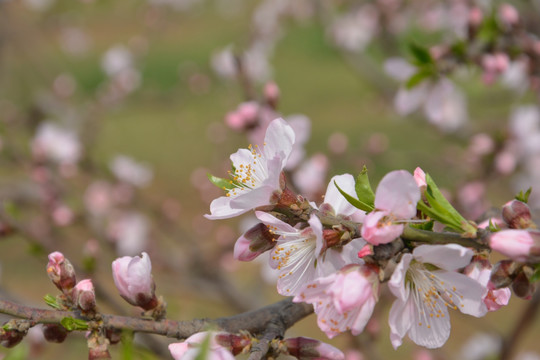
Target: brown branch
(281, 315)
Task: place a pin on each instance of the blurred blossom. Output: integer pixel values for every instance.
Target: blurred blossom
(178, 5)
(130, 171)
(254, 61)
(338, 142)
(190, 348)
(422, 354)
(130, 232)
(505, 162)
(98, 199)
(471, 196)
(353, 31)
(481, 144)
(74, 41)
(377, 143)
(56, 143)
(310, 177)
(62, 215)
(528, 355)
(508, 14)
(515, 77)
(116, 59)
(64, 85)
(353, 355)
(38, 5)
(480, 346)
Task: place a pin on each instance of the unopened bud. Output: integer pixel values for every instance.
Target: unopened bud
(331, 237)
(54, 333)
(254, 242)
(517, 215)
(84, 296)
(61, 272)
(133, 279)
(235, 343)
(98, 347)
(10, 338)
(271, 94)
(503, 273)
(519, 245)
(114, 335)
(522, 286)
(307, 348)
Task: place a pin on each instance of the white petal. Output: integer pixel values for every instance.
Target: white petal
(399, 68)
(220, 208)
(268, 219)
(398, 193)
(397, 281)
(447, 257)
(400, 320)
(333, 196)
(241, 157)
(279, 140)
(253, 198)
(407, 101)
(433, 332)
(316, 226)
(470, 292)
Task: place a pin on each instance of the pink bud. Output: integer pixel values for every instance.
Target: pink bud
(503, 273)
(271, 93)
(519, 245)
(83, 295)
(133, 279)
(517, 215)
(420, 177)
(307, 348)
(254, 242)
(508, 14)
(61, 272)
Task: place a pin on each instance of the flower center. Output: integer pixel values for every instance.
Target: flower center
(249, 175)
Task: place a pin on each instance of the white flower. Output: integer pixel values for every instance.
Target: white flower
(57, 143)
(128, 170)
(256, 175)
(426, 285)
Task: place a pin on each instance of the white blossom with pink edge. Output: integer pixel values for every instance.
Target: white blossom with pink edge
(426, 284)
(334, 201)
(395, 202)
(133, 279)
(343, 300)
(257, 173)
(518, 245)
(300, 256)
(190, 348)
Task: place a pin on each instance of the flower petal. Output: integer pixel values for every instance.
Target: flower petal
(333, 196)
(279, 140)
(447, 257)
(471, 293)
(400, 320)
(220, 208)
(397, 281)
(398, 193)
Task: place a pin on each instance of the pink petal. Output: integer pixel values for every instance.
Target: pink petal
(398, 193)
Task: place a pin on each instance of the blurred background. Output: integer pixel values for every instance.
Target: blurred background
(113, 113)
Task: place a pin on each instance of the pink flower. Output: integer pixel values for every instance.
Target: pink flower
(310, 177)
(519, 245)
(133, 279)
(253, 242)
(190, 349)
(256, 177)
(395, 201)
(426, 284)
(61, 272)
(343, 300)
(480, 270)
(83, 295)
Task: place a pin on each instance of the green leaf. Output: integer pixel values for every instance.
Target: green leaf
(493, 227)
(524, 197)
(353, 201)
(428, 225)
(72, 324)
(420, 54)
(204, 349)
(221, 183)
(417, 78)
(536, 275)
(52, 302)
(363, 189)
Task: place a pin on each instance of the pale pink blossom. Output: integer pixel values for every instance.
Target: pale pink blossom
(307, 348)
(480, 270)
(310, 177)
(508, 14)
(256, 177)
(426, 284)
(343, 300)
(130, 232)
(301, 126)
(133, 279)
(84, 296)
(130, 171)
(57, 143)
(190, 348)
(395, 203)
(60, 271)
(519, 245)
(353, 31)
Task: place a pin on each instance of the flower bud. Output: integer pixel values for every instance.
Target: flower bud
(519, 245)
(54, 333)
(522, 286)
(98, 347)
(83, 295)
(271, 94)
(61, 272)
(10, 338)
(254, 242)
(503, 273)
(235, 343)
(517, 215)
(133, 279)
(508, 14)
(307, 348)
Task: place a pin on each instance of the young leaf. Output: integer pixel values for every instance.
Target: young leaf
(355, 202)
(363, 189)
(418, 77)
(72, 324)
(420, 54)
(524, 197)
(52, 302)
(221, 183)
